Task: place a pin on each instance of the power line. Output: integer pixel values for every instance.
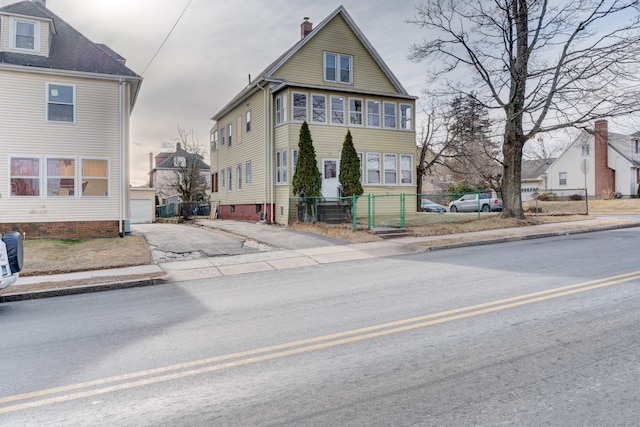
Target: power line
(166, 38)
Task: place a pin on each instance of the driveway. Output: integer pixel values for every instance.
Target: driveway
(213, 238)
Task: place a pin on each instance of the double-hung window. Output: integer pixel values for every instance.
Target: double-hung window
(299, 109)
(281, 167)
(25, 35)
(229, 186)
(338, 68)
(337, 110)
(373, 168)
(562, 178)
(318, 108)
(406, 169)
(355, 111)
(390, 169)
(60, 103)
(389, 115)
(249, 121)
(247, 172)
(294, 161)
(406, 117)
(281, 109)
(373, 113)
(239, 177)
(214, 141)
(95, 177)
(229, 132)
(61, 177)
(25, 176)
(222, 137)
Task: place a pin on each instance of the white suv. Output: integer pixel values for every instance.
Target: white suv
(11, 255)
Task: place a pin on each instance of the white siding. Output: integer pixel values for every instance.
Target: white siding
(95, 134)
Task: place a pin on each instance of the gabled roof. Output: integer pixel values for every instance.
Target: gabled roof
(533, 169)
(624, 146)
(168, 163)
(70, 50)
(267, 73)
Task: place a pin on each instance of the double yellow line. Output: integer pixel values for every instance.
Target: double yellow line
(203, 366)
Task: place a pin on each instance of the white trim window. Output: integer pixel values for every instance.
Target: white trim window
(223, 179)
(214, 141)
(299, 106)
(294, 161)
(338, 68)
(406, 169)
(281, 109)
(95, 178)
(390, 169)
(222, 137)
(229, 133)
(562, 178)
(239, 177)
(25, 35)
(337, 110)
(389, 115)
(61, 103)
(25, 176)
(60, 177)
(281, 167)
(247, 172)
(355, 111)
(229, 180)
(373, 168)
(373, 113)
(406, 116)
(318, 108)
(249, 121)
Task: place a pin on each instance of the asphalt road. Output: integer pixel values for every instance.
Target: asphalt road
(539, 332)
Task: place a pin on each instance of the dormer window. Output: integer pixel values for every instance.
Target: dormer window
(25, 35)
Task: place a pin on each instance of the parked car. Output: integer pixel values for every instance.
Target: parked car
(11, 257)
(484, 202)
(427, 205)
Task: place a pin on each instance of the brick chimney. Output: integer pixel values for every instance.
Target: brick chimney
(305, 28)
(604, 176)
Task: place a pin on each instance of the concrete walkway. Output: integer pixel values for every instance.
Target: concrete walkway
(283, 249)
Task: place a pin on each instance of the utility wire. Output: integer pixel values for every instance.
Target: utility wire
(166, 38)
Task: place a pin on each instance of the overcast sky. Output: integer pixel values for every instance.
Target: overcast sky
(212, 50)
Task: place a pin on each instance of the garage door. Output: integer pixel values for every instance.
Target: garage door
(141, 211)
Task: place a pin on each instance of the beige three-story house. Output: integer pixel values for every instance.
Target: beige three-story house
(64, 114)
(333, 79)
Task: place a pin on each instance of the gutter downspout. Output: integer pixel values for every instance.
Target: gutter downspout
(266, 158)
(122, 83)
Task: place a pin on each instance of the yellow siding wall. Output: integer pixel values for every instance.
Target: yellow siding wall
(95, 135)
(307, 65)
(250, 148)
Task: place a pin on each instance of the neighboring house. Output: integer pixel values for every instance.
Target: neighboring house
(65, 108)
(169, 166)
(604, 162)
(335, 81)
(533, 177)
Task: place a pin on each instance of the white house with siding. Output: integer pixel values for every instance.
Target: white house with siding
(333, 79)
(64, 112)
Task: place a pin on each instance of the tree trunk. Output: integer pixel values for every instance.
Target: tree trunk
(511, 191)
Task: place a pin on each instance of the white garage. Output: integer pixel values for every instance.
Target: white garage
(142, 205)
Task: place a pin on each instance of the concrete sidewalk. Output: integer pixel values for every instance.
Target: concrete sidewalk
(287, 249)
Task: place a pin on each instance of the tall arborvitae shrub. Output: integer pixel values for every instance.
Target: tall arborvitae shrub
(350, 169)
(307, 181)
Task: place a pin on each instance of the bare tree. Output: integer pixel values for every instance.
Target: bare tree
(189, 173)
(544, 64)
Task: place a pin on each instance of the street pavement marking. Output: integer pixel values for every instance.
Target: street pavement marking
(198, 367)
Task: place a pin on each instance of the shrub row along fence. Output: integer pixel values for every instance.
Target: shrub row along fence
(403, 210)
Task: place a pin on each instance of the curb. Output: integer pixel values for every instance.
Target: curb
(82, 289)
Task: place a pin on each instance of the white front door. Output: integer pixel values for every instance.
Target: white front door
(330, 181)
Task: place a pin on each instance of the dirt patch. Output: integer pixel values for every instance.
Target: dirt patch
(54, 256)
